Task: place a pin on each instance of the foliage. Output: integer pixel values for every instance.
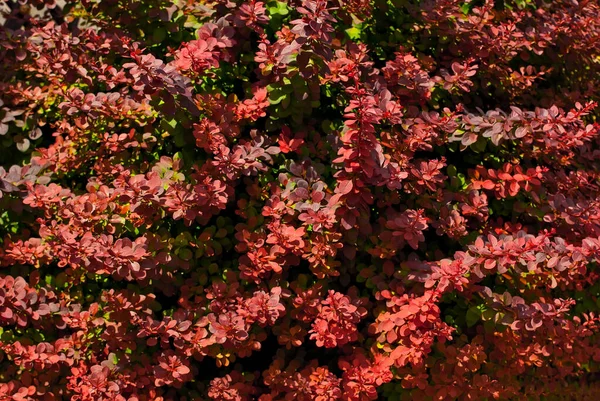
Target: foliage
(310, 200)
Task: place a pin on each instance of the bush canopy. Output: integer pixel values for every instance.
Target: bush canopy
(306, 200)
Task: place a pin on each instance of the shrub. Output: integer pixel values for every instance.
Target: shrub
(300, 200)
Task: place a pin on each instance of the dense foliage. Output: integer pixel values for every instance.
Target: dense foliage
(299, 200)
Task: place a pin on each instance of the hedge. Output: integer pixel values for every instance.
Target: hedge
(299, 200)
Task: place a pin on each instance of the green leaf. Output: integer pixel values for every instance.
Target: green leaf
(353, 33)
(480, 145)
(179, 140)
(172, 122)
(452, 170)
(473, 316)
(159, 35)
(278, 8)
(276, 96)
(185, 254)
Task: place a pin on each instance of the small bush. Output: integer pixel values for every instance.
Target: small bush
(299, 200)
